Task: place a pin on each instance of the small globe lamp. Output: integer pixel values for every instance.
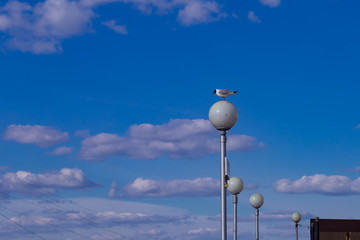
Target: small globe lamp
(257, 200)
(235, 185)
(296, 217)
(223, 116)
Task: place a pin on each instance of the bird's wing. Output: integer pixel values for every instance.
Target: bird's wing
(224, 91)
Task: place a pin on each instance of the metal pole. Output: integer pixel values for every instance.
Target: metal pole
(235, 201)
(223, 182)
(296, 229)
(257, 223)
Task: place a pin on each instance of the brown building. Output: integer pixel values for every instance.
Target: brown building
(334, 229)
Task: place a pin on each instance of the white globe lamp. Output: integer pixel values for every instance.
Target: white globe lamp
(256, 200)
(223, 115)
(296, 217)
(235, 185)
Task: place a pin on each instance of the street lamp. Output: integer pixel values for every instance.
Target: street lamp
(223, 116)
(235, 185)
(257, 200)
(296, 217)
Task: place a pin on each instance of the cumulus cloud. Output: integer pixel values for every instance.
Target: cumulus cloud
(61, 151)
(129, 220)
(41, 28)
(136, 218)
(30, 184)
(203, 233)
(190, 12)
(321, 184)
(199, 187)
(121, 29)
(82, 219)
(118, 225)
(196, 12)
(270, 3)
(177, 138)
(42, 136)
(107, 237)
(154, 234)
(253, 18)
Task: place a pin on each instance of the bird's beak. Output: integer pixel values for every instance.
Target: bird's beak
(214, 91)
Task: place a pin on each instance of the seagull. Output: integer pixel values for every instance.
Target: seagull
(223, 93)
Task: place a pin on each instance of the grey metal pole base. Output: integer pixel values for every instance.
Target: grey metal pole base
(223, 182)
(296, 228)
(257, 223)
(235, 201)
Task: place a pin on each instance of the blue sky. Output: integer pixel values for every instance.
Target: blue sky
(104, 116)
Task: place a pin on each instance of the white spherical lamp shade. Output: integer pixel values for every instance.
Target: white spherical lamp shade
(296, 217)
(223, 115)
(256, 200)
(235, 185)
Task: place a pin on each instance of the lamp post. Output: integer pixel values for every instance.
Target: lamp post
(256, 200)
(223, 116)
(235, 185)
(296, 217)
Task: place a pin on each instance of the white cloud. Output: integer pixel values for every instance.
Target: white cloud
(203, 233)
(118, 225)
(42, 136)
(154, 234)
(61, 151)
(177, 138)
(109, 218)
(27, 183)
(253, 18)
(201, 230)
(114, 219)
(135, 218)
(196, 12)
(321, 184)
(34, 220)
(121, 29)
(189, 11)
(108, 237)
(199, 187)
(270, 3)
(40, 28)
